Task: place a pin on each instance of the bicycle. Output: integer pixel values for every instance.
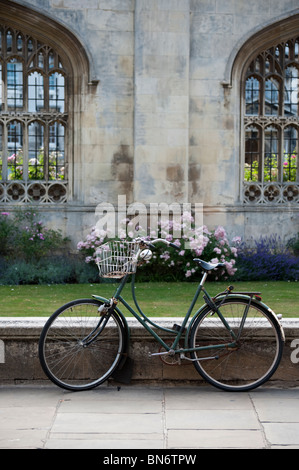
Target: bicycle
(234, 340)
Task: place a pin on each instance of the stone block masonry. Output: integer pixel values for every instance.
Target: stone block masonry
(19, 362)
(155, 104)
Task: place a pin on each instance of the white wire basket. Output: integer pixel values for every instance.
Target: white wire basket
(115, 259)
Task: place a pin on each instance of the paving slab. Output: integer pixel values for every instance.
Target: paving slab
(189, 398)
(282, 434)
(211, 419)
(215, 439)
(148, 417)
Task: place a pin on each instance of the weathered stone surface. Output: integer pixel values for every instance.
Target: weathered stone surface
(19, 356)
(159, 92)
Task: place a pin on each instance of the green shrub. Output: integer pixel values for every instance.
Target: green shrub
(293, 244)
(7, 232)
(267, 258)
(50, 270)
(30, 253)
(167, 264)
(24, 236)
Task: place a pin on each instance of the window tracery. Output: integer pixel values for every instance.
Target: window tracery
(271, 125)
(33, 120)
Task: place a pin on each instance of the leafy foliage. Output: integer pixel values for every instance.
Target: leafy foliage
(267, 259)
(169, 264)
(24, 236)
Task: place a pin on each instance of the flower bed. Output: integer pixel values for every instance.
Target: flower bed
(169, 264)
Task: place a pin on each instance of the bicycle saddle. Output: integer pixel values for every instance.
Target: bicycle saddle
(208, 266)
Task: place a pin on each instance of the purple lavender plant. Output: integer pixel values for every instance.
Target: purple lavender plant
(267, 258)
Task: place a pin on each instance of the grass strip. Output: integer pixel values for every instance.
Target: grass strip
(159, 299)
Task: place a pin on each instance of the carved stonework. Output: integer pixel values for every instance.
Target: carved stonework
(270, 193)
(41, 193)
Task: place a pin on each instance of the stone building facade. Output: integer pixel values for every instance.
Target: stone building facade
(188, 101)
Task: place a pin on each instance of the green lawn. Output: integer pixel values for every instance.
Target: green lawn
(156, 299)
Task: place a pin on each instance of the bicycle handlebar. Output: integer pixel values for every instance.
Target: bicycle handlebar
(151, 244)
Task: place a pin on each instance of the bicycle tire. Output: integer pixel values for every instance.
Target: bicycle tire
(254, 359)
(66, 360)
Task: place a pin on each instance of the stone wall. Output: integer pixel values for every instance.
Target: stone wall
(19, 362)
(157, 115)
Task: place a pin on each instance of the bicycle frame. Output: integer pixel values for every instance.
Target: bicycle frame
(64, 343)
(149, 324)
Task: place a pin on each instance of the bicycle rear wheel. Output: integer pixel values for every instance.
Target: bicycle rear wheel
(248, 363)
(79, 349)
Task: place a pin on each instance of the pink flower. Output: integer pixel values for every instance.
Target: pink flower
(234, 251)
(220, 233)
(177, 243)
(229, 267)
(165, 255)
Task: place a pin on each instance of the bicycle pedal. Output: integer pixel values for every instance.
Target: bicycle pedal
(178, 328)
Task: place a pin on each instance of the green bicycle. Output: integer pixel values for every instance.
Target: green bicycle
(234, 340)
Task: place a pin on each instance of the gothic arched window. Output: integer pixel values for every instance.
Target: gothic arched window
(271, 125)
(33, 120)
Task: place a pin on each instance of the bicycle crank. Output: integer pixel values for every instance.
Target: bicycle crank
(171, 358)
(199, 358)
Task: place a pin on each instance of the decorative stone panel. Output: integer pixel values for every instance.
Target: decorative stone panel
(37, 192)
(270, 193)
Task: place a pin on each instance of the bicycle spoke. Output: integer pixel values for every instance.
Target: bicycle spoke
(71, 362)
(253, 357)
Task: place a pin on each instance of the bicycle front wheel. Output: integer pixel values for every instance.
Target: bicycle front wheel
(79, 349)
(245, 362)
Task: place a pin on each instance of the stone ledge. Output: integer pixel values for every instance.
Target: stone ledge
(19, 360)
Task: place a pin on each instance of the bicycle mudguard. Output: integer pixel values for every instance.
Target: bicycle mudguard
(244, 295)
(123, 372)
(258, 301)
(117, 310)
(255, 294)
(275, 317)
(249, 295)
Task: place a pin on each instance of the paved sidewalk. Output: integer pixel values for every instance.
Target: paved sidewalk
(147, 417)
